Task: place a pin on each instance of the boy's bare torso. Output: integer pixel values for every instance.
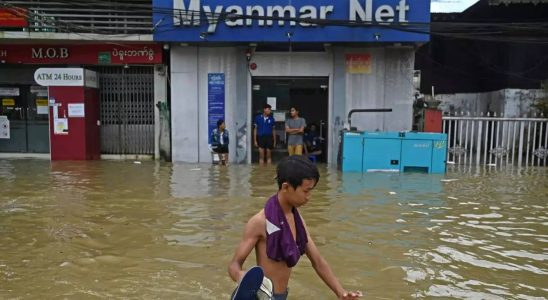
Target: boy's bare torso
(277, 271)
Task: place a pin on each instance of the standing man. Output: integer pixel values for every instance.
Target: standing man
(264, 135)
(294, 127)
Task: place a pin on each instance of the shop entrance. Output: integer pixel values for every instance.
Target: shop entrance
(26, 107)
(309, 94)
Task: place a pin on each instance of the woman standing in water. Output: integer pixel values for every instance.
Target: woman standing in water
(219, 141)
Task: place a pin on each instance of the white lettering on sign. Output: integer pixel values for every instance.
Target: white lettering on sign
(59, 76)
(49, 53)
(145, 52)
(384, 13)
(190, 16)
(3, 53)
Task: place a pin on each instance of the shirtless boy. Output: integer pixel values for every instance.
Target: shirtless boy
(280, 236)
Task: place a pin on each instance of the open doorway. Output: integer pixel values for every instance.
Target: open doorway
(309, 94)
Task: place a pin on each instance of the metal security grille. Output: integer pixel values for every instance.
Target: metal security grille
(127, 110)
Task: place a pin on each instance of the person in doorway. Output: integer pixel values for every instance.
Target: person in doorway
(294, 127)
(280, 236)
(264, 134)
(312, 141)
(219, 141)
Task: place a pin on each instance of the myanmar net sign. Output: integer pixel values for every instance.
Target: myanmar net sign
(299, 21)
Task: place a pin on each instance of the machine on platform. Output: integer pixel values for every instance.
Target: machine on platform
(363, 151)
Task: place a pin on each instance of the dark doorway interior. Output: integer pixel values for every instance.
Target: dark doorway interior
(309, 94)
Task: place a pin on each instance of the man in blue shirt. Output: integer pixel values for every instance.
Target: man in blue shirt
(264, 135)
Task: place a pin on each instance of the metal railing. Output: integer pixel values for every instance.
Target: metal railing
(92, 16)
(491, 140)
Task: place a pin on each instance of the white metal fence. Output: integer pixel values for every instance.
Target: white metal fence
(491, 140)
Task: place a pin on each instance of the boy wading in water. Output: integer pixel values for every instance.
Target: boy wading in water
(280, 236)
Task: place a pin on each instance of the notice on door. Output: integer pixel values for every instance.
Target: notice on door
(4, 127)
(76, 110)
(42, 106)
(272, 102)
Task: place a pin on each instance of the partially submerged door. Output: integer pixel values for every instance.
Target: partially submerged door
(27, 111)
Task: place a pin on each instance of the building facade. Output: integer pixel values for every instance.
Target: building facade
(325, 57)
(109, 37)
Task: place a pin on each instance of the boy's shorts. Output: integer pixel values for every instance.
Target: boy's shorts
(266, 291)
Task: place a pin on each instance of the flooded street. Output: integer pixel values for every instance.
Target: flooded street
(118, 230)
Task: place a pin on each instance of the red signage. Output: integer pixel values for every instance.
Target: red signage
(92, 54)
(13, 17)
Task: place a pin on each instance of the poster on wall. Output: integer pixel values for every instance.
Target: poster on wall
(215, 100)
(4, 127)
(358, 63)
(60, 125)
(76, 110)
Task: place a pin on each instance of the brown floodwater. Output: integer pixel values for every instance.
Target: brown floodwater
(122, 230)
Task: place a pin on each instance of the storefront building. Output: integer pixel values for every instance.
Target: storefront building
(228, 59)
(128, 74)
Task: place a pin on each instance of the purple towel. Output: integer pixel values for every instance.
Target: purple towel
(279, 240)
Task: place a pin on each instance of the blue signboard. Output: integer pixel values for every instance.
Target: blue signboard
(283, 21)
(215, 100)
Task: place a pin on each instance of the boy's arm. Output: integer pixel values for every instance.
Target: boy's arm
(251, 236)
(323, 270)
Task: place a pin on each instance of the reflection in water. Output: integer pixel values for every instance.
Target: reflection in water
(123, 230)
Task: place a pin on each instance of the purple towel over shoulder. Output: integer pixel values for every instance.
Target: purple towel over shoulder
(280, 245)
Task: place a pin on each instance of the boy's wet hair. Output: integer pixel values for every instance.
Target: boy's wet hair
(220, 122)
(294, 169)
(267, 106)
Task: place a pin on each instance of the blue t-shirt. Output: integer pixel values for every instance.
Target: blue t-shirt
(264, 126)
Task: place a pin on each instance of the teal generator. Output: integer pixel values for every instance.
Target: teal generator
(364, 151)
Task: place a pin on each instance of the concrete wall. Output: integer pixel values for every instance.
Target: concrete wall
(189, 111)
(389, 85)
(508, 102)
(162, 137)
(184, 104)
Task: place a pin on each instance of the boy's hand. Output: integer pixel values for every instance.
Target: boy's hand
(351, 295)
